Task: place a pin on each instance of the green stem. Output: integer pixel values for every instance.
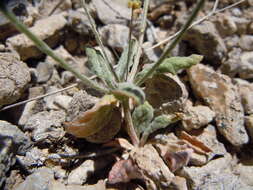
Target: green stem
(129, 45)
(99, 41)
(47, 50)
(167, 52)
(140, 41)
(129, 123)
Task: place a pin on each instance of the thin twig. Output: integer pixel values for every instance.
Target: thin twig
(38, 97)
(47, 50)
(212, 13)
(166, 53)
(140, 41)
(99, 41)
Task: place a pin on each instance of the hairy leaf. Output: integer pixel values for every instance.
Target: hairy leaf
(142, 117)
(129, 90)
(94, 119)
(97, 66)
(172, 65)
(159, 122)
(122, 69)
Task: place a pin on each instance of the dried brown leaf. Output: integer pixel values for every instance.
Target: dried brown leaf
(194, 141)
(94, 119)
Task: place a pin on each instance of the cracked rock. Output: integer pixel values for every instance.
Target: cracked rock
(39, 180)
(80, 103)
(214, 175)
(195, 117)
(206, 40)
(18, 138)
(45, 125)
(14, 77)
(223, 97)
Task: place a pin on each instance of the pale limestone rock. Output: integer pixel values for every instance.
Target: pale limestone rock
(115, 35)
(195, 117)
(47, 29)
(216, 174)
(108, 11)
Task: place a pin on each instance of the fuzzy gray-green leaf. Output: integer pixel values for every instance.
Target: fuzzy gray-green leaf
(97, 66)
(174, 64)
(122, 69)
(142, 117)
(159, 122)
(129, 90)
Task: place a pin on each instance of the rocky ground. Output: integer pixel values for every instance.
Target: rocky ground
(210, 148)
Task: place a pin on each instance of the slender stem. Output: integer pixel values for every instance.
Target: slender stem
(129, 123)
(47, 50)
(166, 53)
(129, 44)
(99, 41)
(140, 41)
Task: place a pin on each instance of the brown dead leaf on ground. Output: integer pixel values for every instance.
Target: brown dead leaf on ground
(94, 119)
